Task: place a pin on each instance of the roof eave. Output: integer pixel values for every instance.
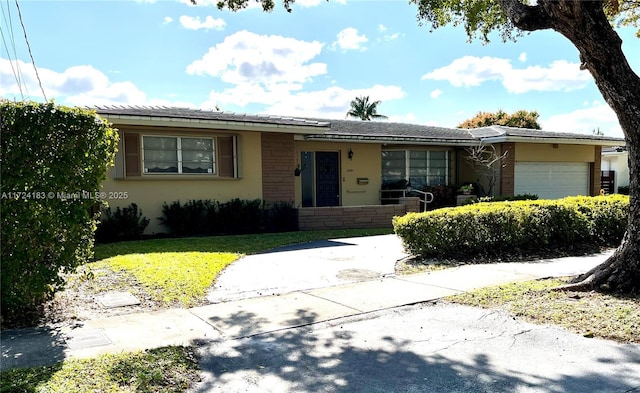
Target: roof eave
(398, 140)
(563, 141)
(182, 122)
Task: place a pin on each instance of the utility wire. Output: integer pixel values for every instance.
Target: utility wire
(30, 54)
(16, 70)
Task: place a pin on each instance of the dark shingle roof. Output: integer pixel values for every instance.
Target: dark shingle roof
(379, 131)
(496, 131)
(184, 113)
(392, 132)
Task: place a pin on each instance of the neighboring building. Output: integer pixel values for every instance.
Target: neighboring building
(332, 170)
(615, 168)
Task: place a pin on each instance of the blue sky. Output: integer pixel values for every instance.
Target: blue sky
(310, 63)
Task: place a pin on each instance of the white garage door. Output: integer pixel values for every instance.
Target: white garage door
(552, 180)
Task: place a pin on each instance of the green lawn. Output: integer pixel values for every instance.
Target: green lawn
(241, 244)
(171, 270)
(179, 271)
(591, 314)
(169, 369)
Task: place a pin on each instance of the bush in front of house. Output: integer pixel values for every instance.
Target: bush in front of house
(54, 159)
(127, 223)
(607, 216)
(495, 227)
(281, 217)
(443, 196)
(191, 218)
(624, 190)
(501, 198)
(237, 216)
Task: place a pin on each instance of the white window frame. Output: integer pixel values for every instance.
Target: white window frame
(407, 163)
(179, 156)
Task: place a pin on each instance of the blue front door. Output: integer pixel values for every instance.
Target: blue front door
(327, 179)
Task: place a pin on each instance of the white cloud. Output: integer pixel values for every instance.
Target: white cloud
(469, 71)
(391, 37)
(523, 57)
(436, 93)
(406, 118)
(167, 20)
(249, 58)
(585, 120)
(330, 103)
(81, 85)
(195, 23)
(387, 37)
(349, 39)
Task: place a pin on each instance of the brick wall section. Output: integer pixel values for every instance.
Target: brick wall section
(278, 181)
(412, 204)
(507, 173)
(353, 217)
(596, 172)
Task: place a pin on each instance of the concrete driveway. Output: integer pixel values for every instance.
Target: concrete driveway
(308, 265)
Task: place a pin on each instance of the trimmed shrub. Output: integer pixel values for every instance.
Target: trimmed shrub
(624, 190)
(501, 198)
(195, 217)
(281, 217)
(237, 216)
(54, 159)
(124, 224)
(443, 196)
(491, 228)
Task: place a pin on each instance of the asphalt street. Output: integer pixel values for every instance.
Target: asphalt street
(421, 348)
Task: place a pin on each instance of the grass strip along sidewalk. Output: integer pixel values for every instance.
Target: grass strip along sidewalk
(173, 369)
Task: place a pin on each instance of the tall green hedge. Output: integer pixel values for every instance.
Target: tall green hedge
(494, 227)
(53, 159)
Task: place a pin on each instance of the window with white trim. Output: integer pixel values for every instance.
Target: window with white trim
(178, 155)
(422, 167)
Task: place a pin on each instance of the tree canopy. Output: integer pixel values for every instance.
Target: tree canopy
(519, 119)
(363, 109)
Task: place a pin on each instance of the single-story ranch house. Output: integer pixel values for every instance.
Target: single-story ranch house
(333, 171)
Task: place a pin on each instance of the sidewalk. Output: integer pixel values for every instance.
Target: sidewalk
(229, 320)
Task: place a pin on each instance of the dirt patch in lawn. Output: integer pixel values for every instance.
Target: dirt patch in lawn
(79, 301)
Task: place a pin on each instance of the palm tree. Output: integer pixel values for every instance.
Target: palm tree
(362, 109)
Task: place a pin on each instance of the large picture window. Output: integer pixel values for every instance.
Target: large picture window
(178, 155)
(422, 167)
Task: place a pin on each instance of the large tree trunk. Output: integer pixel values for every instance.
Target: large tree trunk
(586, 26)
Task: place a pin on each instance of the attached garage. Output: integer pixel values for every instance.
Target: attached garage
(551, 180)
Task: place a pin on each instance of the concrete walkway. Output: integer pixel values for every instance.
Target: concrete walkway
(248, 316)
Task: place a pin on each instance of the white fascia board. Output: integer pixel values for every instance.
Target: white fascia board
(398, 141)
(156, 121)
(562, 141)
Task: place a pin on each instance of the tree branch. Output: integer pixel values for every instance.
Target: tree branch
(526, 17)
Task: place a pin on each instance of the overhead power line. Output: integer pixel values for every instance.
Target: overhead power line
(15, 68)
(29, 48)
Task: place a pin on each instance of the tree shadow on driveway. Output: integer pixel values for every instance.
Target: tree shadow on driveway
(370, 356)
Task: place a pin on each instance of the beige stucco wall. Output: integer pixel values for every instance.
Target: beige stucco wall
(546, 152)
(467, 173)
(149, 192)
(529, 152)
(366, 163)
